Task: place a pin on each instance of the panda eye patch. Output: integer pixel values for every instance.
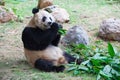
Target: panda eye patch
(50, 18)
(44, 18)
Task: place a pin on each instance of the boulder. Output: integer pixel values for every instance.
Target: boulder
(75, 35)
(6, 15)
(60, 14)
(44, 3)
(110, 29)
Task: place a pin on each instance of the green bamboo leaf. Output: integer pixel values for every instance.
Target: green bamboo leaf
(62, 31)
(71, 69)
(76, 72)
(111, 50)
(84, 68)
(98, 77)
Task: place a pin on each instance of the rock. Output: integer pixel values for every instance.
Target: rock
(44, 3)
(6, 15)
(75, 35)
(2, 2)
(110, 29)
(60, 14)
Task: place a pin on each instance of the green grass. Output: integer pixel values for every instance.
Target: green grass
(88, 13)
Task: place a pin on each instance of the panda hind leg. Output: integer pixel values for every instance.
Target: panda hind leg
(59, 68)
(48, 66)
(71, 59)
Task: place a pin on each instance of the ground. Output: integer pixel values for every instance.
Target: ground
(87, 13)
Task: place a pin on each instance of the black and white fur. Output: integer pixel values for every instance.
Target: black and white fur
(41, 38)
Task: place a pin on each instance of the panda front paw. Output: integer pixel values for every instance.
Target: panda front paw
(55, 26)
(60, 26)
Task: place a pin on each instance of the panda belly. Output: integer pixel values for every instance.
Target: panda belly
(51, 53)
(54, 54)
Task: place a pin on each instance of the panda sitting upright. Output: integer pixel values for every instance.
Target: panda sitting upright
(40, 38)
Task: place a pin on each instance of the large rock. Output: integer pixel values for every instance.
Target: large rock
(6, 15)
(60, 14)
(110, 29)
(75, 35)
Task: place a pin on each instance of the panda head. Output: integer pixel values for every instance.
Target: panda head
(42, 19)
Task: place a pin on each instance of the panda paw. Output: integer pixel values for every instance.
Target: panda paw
(59, 68)
(55, 26)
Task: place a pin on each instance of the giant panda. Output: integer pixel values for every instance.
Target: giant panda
(40, 40)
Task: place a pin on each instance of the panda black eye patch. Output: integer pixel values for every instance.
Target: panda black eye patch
(44, 18)
(50, 18)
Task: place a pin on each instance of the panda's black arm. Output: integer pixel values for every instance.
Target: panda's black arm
(47, 39)
(56, 41)
(37, 39)
(50, 36)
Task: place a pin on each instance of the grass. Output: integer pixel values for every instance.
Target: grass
(87, 13)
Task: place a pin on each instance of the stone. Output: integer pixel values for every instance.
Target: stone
(75, 35)
(44, 3)
(6, 15)
(110, 29)
(2, 2)
(60, 14)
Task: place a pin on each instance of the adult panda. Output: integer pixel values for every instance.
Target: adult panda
(40, 38)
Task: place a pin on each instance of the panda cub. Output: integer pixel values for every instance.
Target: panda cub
(40, 39)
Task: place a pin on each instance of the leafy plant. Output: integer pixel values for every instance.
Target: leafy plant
(86, 51)
(112, 1)
(105, 66)
(62, 31)
(19, 16)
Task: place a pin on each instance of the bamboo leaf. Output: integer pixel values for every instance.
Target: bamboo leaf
(111, 50)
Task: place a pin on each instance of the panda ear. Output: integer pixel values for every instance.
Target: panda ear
(35, 10)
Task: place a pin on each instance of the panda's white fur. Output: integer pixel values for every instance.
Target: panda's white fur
(37, 20)
(51, 53)
(41, 40)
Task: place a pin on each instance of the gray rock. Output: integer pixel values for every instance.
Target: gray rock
(110, 29)
(75, 35)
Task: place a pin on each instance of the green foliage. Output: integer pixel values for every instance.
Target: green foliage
(106, 66)
(19, 16)
(85, 12)
(86, 51)
(62, 31)
(15, 1)
(111, 50)
(112, 1)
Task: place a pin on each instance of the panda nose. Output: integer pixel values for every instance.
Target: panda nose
(49, 23)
